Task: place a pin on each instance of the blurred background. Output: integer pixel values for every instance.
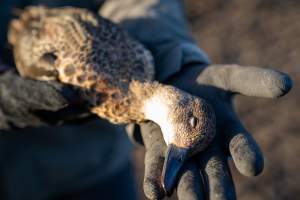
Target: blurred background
(263, 33)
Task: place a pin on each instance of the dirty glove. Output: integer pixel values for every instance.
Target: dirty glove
(217, 84)
(161, 26)
(25, 102)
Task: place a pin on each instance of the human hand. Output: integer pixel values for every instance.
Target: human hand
(29, 103)
(172, 49)
(208, 173)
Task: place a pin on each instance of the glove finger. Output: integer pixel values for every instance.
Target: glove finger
(37, 95)
(152, 135)
(249, 81)
(190, 183)
(154, 160)
(216, 173)
(245, 152)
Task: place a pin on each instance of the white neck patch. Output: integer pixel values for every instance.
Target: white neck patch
(156, 109)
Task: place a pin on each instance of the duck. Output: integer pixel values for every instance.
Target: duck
(115, 75)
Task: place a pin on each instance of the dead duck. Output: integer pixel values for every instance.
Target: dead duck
(115, 74)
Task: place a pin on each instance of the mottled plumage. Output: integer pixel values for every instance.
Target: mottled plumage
(113, 71)
(85, 50)
(114, 74)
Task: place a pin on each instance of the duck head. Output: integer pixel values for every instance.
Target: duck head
(187, 124)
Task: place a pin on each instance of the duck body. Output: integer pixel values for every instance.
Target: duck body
(114, 74)
(79, 48)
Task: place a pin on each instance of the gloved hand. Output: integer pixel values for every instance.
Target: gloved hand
(161, 26)
(25, 102)
(209, 170)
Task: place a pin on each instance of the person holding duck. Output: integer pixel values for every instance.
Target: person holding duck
(178, 62)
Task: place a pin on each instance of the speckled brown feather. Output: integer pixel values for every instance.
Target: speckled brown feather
(113, 72)
(85, 50)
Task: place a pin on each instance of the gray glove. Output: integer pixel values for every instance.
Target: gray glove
(208, 173)
(161, 26)
(29, 103)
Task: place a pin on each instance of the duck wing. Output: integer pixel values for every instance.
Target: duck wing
(67, 43)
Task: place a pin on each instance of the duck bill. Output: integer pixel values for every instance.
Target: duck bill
(174, 160)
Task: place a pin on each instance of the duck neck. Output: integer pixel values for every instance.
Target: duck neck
(157, 104)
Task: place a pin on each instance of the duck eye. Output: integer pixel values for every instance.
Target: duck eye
(193, 122)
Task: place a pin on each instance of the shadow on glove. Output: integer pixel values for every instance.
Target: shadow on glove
(30, 103)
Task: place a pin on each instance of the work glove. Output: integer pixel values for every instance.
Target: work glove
(161, 26)
(30, 103)
(207, 174)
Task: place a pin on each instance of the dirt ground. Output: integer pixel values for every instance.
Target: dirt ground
(262, 33)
